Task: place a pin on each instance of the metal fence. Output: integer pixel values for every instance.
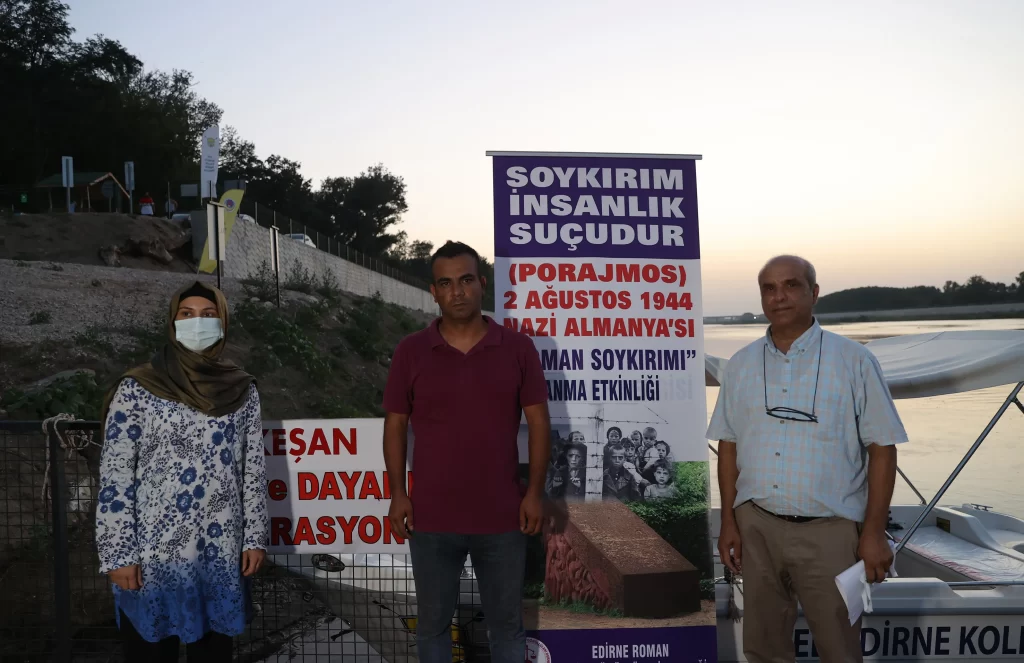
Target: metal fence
(299, 232)
(289, 226)
(56, 606)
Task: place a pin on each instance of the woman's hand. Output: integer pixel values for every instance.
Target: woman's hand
(127, 577)
(252, 561)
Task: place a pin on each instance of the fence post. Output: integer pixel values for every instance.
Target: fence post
(61, 561)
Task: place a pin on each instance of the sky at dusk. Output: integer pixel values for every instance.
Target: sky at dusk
(882, 141)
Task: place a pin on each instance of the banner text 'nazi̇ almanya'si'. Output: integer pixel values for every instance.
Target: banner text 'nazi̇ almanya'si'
(597, 257)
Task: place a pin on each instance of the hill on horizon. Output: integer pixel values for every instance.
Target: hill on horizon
(977, 290)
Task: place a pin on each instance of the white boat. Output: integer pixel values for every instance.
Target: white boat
(959, 594)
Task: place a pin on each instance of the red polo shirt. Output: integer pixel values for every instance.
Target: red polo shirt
(465, 411)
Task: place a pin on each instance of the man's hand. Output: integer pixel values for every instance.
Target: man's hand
(729, 540)
(531, 514)
(874, 550)
(127, 577)
(400, 515)
(252, 561)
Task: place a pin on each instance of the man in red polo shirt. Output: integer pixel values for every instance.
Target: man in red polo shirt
(464, 383)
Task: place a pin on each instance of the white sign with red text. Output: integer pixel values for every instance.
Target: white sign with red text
(327, 487)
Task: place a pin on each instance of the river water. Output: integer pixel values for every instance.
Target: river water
(941, 428)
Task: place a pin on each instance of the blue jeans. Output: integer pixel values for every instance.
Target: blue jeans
(499, 561)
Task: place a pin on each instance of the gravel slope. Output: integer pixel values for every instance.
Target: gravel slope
(79, 296)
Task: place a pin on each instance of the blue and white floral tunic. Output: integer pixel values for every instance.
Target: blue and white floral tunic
(183, 494)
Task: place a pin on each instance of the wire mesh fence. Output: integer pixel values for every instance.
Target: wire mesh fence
(297, 231)
(26, 545)
(290, 227)
(56, 606)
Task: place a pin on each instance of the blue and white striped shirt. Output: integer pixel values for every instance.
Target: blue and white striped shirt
(801, 468)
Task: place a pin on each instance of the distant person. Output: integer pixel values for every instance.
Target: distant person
(806, 469)
(463, 383)
(181, 521)
(146, 205)
(170, 207)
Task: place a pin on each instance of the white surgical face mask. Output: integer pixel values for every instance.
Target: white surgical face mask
(198, 334)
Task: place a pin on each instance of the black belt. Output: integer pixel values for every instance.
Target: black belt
(788, 519)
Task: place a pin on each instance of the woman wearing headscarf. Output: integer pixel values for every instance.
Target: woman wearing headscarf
(181, 521)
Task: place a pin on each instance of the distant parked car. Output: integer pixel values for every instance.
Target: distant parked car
(305, 239)
(246, 218)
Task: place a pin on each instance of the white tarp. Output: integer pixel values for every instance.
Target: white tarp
(950, 362)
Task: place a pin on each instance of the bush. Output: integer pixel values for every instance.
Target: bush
(683, 521)
(286, 340)
(40, 318)
(311, 318)
(363, 330)
(406, 323)
(329, 288)
(262, 284)
(94, 339)
(300, 279)
(77, 394)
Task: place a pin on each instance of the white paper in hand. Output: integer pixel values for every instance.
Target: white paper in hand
(856, 590)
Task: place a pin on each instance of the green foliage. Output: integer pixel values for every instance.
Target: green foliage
(40, 318)
(363, 331)
(976, 291)
(534, 590)
(311, 317)
(580, 607)
(362, 401)
(300, 279)
(406, 323)
(77, 394)
(94, 339)
(683, 520)
(286, 341)
(329, 288)
(147, 337)
(262, 284)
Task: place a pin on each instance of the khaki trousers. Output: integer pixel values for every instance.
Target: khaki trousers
(784, 562)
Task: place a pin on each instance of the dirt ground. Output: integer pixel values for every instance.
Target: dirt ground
(77, 238)
(547, 617)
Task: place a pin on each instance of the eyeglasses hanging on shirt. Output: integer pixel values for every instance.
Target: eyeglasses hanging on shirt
(781, 412)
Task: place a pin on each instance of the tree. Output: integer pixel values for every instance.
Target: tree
(977, 290)
(238, 158)
(371, 204)
(92, 100)
(34, 34)
(95, 101)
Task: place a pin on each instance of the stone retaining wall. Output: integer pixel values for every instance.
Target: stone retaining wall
(249, 246)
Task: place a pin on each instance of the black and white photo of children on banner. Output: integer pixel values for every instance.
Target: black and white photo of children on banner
(635, 468)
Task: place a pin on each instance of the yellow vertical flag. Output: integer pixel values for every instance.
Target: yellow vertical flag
(232, 202)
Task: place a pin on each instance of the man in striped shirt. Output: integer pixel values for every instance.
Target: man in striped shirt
(806, 469)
